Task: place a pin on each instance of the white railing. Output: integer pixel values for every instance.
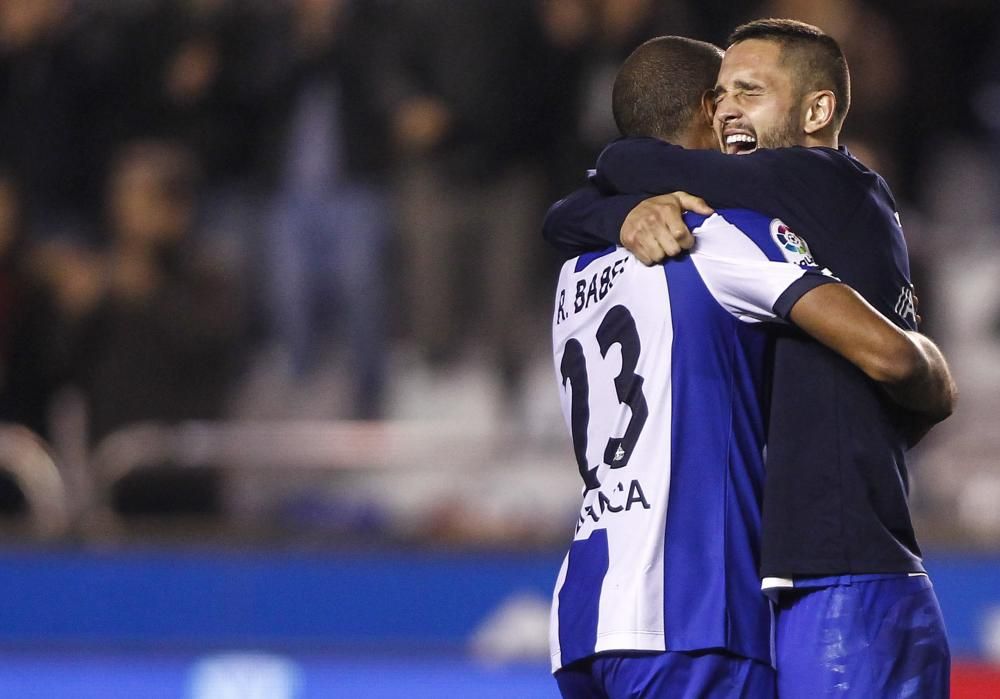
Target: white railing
(337, 445)
(427, 455)
(28, 460)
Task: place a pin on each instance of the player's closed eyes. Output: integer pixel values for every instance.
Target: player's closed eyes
(739, 94)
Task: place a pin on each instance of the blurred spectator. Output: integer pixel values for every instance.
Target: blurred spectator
(22, 391)
(986, 105)
(329, 217)
(11, 288)
(469, 125)
(202, 73)
(14, 400)
(44, 79)
(620, 26)
(585, 44)
(567, 28)
(193, 71)
(163, 339)
(46, 291)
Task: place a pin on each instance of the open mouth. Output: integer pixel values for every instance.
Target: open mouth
(740, 144)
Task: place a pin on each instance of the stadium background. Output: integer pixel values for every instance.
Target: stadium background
(278, 410)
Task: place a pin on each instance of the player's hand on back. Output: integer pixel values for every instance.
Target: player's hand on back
(655, 229)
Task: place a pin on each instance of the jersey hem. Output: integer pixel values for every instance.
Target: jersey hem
(655, 642)
(625, 641)
(830, 568)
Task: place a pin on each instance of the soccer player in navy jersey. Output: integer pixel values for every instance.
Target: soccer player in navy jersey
(855, 613)
(663, 387)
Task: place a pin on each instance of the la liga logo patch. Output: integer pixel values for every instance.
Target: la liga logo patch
(791, 245)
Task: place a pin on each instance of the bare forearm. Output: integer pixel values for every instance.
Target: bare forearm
(929, 389)
(908, 365)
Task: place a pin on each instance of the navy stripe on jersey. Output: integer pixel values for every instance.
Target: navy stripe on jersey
(580, 596)
(783, 304)
(584, 260)
(753, 225)
(710, 552)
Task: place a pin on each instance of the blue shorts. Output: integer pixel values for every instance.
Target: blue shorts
(697, 675)
(862, 636)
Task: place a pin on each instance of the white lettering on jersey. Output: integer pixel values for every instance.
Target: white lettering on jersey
(905, 307)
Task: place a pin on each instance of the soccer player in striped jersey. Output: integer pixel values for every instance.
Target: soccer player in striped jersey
(664, 375)
(855, 614)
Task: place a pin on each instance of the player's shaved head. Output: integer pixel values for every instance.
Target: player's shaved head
(659, 88)
(815, 58)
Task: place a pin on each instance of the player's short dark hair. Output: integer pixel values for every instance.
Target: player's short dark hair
(815, 56)
(659, 87)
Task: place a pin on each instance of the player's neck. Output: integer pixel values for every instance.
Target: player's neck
(826, 139)
(697, 139)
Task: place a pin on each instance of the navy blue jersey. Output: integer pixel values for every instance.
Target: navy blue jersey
(835, 500)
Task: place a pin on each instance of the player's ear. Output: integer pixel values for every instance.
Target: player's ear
(819, 109)
(708, 105)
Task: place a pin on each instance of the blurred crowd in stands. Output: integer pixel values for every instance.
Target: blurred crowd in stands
(210, 207)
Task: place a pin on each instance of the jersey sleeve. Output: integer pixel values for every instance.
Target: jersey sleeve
(651, 166)
(587, 220)
(794, 183)
(752, 282)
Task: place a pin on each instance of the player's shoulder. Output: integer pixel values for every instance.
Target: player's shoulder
(734, 232)
(871, 181)
(584, 265)
(820, 160)
(830, 181)
(581, 262)
(745, 220)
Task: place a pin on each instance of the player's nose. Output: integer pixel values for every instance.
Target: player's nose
(726, 110)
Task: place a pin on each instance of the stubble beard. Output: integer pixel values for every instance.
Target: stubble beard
(783, 135)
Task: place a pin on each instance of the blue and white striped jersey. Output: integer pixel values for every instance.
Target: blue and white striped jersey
(663, 374)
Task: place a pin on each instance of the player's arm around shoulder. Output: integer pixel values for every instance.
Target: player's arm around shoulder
(908, 365)
(655, 229)
(587, 220)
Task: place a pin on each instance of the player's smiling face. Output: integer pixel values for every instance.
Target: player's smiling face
(755, 99)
